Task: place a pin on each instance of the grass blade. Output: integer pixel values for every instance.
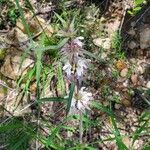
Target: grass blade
(23, 19)
(103, 108)
(120, 144)
(143, 126)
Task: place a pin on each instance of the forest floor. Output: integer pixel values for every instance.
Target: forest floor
(75, 75)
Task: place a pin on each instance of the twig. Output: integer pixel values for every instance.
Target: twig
(123, 17)
(142, 15)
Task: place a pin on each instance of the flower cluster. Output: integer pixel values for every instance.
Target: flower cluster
(80, 101)
(75, 66)
(73, 58)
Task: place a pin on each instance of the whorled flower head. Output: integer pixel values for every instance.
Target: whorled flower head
(81, 101)
(72, 50)
(73, 58)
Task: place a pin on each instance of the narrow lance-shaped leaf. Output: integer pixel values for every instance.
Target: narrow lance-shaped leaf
(116, 132)
(23, 19)
(72, 87)
(120, 144)
(61, 84)
(30, 77)
(34, 14)
(52, 99)
(103, 109)
(53, 47)
(138, 2)
(146, 118)
(64, 23)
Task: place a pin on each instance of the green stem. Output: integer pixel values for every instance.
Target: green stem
(81, 127)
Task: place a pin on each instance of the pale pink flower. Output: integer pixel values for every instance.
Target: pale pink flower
(72, 50)
(81, 66)
(67, 68)
(73, 58)
(81, 101)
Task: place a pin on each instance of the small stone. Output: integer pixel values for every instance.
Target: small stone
(141, 81)
(134, 79)
(131, 32)
(148, 84)
(145, 37)
(33, 88)
(132, 45)
(140, 69)
(103, 55)
(127, 141)
(106, 103)
(104, 43)
(126, 103)
(133, 24)
(126, 83)
(133, 60)
(117, 106)
(124, 72)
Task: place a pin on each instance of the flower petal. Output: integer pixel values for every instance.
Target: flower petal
(67, 68)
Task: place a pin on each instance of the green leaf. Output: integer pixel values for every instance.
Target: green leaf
(138, 2)
(103, 108)
(25, 54)
(130, 12)
(146, 118)
(136, 9)
(64, 23)
(20, 142)
(147, 148)
(72, 87)
(69, 128)
(91, 55)
(118, 138)
(145, 115)
(60, 84)
(16, 134)
(9, 127)
(139, 130)
(53, 47)
(71, 27)
(29, 79)
(120, 144)
(52, 99)
(52, 136)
